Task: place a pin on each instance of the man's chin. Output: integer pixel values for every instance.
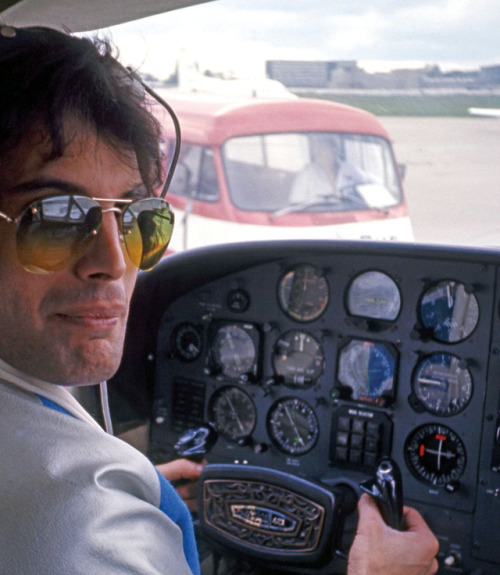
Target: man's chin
(92, 363)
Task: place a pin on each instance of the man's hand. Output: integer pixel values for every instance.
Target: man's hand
(183, 469)
(380, 550)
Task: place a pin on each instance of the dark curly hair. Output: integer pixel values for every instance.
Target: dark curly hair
(47, 75)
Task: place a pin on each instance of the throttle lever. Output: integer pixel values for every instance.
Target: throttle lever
(387, 490)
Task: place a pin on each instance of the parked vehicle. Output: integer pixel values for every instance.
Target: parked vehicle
(259, 168)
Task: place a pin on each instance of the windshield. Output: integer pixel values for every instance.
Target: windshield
(310, 171)
(428, 71)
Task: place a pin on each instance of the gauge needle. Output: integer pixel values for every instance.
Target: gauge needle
(230, 341)
(292, 421)
(429, 381)
(440, 454)
(192, 348)
(449, 296)
(301, 340)
(235, 413)
(446, 454)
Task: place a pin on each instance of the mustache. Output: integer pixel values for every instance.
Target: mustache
(61, 297)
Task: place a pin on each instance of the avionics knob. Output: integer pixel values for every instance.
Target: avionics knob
(453, 559)
(452, 486)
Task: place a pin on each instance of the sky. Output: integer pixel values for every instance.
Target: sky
(238, 36)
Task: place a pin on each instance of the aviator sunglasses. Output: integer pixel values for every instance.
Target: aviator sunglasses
(56, 231)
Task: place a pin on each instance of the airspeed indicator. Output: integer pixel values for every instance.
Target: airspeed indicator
(303, 293)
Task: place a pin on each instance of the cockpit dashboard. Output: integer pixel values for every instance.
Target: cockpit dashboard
(317, 359)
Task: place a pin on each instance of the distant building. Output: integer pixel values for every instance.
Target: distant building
(338, 74)
(299, 74)
(346, 74)
(490, 75)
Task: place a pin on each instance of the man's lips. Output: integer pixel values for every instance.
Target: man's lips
(96, 316)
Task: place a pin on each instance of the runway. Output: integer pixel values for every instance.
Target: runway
(452, 178)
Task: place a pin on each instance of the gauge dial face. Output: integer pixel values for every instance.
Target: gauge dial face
(303, 293)
(234, 350)
(233, 413)
(441, 385)
(298, 358)
(374, 295)
(435, 454)
(449, 311)
(187, 342)
(367, 369)
(293, 426)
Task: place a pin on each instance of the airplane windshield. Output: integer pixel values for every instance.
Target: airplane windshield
(438, 108)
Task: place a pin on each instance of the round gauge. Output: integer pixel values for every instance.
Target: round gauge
(374, 295)
(367, 369)
(234, 351)
(298, 358)
(187, 342)
(303, 293)
(233, 413)
(293, 426)
(435, 454)
(442, 386)
(449, 311)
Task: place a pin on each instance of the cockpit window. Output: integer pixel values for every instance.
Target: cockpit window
(311, 171)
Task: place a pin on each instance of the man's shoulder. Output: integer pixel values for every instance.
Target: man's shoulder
(49, 446)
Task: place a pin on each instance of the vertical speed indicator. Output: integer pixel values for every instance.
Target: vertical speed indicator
(293, 426)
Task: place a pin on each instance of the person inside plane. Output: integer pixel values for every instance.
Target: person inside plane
(80, 157)
(80, 160)
(328, 177)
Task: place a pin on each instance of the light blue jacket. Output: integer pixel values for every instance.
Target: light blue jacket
(75, 500)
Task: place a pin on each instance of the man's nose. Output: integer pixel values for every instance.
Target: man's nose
(106, 258)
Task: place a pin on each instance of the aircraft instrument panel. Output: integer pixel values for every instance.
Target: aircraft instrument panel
(319, 358)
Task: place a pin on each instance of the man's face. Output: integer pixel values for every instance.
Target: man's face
(67, 327)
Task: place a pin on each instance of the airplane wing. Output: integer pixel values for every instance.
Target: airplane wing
(489, 112)
(84, 15)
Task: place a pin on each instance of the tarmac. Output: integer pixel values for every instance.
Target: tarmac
(452, 180)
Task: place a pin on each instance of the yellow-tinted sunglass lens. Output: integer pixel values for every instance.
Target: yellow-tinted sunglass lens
(55, 232)
(147, 228)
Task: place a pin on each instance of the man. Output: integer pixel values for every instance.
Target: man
(380, 550)
(80, 161)
(327, 177)
(74, 127)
